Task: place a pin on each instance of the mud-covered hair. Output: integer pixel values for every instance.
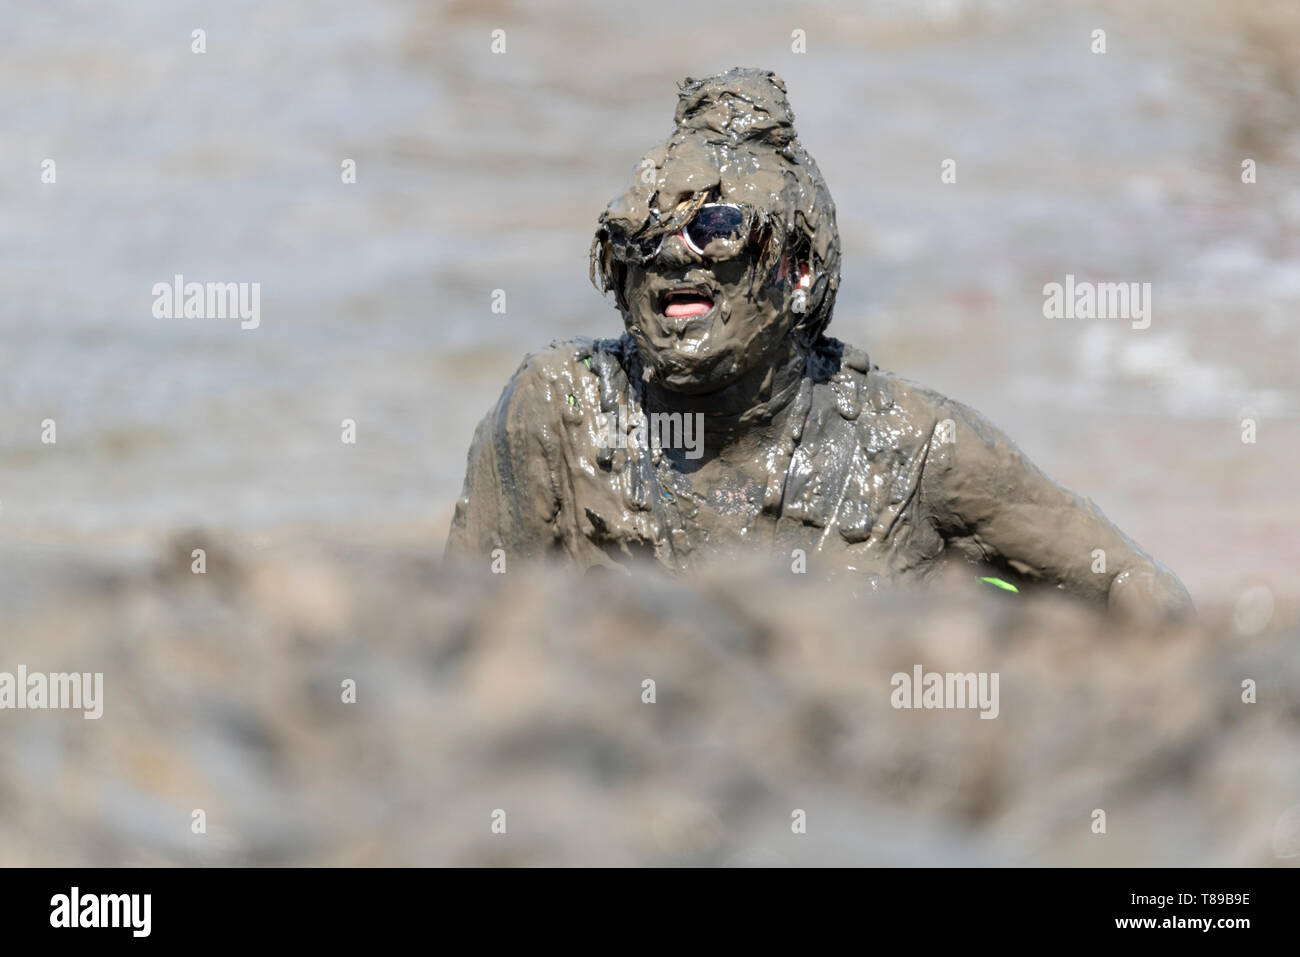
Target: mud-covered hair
(734, 132)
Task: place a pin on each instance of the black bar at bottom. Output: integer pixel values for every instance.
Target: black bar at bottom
(333, 907)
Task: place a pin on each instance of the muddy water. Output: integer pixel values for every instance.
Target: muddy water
(479, 172)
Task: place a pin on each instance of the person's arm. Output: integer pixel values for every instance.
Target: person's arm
(992, 504)
(508, 499)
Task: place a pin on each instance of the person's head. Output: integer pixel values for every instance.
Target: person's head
(725, 245)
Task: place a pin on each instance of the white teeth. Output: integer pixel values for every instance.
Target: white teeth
(687, 294)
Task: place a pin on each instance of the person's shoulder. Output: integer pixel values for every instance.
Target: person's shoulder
(555, 384)
(963, 445)
(881, 389)
(559, 358)
(558, 367)
(889, 390)
(900, 414)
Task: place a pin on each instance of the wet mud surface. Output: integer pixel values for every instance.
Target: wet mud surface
(524, 692)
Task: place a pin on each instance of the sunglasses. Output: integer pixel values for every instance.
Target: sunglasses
(711, 223)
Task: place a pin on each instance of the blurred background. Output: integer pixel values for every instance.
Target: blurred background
(479, 171)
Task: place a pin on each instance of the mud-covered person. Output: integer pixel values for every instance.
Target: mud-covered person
(724, 259)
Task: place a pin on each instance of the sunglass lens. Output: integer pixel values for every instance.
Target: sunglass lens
(715, 222)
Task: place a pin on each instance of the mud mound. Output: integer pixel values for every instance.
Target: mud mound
(525, 693)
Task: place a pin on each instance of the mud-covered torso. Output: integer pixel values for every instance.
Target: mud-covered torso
(837, 487)
(852, 472)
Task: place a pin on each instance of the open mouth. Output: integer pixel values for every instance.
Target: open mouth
(684, 303)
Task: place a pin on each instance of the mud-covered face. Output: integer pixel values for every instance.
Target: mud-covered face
(703, 319)
(706, 314)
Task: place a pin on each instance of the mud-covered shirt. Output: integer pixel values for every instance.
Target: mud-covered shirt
(873, 476)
